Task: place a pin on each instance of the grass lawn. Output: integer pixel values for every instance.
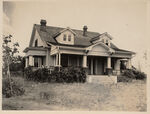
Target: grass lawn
(56, 96)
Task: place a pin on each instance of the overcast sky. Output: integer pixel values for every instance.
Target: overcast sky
(124, 20)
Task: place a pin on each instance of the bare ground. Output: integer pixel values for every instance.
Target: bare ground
(118, 97)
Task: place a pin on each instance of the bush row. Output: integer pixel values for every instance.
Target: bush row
(67, 75)
(133, 74)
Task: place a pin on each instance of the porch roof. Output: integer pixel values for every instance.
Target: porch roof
(34, 48)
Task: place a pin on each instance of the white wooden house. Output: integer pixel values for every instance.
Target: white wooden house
(64, 47)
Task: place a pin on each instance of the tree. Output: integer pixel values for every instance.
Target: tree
(8, 55)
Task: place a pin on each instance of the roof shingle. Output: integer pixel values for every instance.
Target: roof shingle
(80, 41)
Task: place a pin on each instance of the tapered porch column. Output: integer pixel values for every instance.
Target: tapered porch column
(31, 60)
(59, 60)
(84, 61)
(129, 66)
(26, 62)
(117, 66)
(108, 62)
(56, 60)
(47, 58)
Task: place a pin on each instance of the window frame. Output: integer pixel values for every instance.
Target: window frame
(36, 43)
(65, 37)
(69, 37)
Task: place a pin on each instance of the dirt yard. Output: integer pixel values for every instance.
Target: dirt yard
(45, 96)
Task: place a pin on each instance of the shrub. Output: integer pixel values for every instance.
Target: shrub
(68, 75)
(139, 75)
(123, 79)
(28, 73)
(17, 88)
(40, 75)
(134, 74)
(129, 74)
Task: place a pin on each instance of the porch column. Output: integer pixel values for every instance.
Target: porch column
(47, 57)
(91, 65)
(117, 66)
(108, 62)
(56, 60)
(59, 60)
(84, 60)
(31, 60)
(26, 62)
(129, 64)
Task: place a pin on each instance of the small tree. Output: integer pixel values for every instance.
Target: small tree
(8, 55)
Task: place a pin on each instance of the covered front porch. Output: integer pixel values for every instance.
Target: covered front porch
(95, 65)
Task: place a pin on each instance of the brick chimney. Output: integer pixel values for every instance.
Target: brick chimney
(43, 25)
(85, 31)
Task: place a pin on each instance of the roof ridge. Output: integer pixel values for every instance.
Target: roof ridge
(65, 28)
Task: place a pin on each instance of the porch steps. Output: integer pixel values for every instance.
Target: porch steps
(102, 79)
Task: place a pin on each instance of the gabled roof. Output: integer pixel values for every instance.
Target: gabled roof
(48, 36)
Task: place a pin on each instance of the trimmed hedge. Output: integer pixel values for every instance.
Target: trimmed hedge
(64, 75)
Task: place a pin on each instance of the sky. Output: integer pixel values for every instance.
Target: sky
(124, 20)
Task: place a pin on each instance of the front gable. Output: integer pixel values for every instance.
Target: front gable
(99, 49)
(104, 38)
(37, 40)
(66, 37)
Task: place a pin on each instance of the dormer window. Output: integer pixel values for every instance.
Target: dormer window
(106, 42)
(69, 37)
(64, 38)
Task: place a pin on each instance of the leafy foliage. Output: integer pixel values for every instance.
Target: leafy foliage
(17, 88)
(9, 50)
(134, 74)
(67, 75)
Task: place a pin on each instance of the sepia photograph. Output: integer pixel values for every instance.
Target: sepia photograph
(75, 55)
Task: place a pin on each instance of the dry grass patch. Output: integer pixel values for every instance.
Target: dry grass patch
(83, 96)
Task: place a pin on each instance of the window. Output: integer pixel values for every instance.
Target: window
(64, 37)
(107, 42)
(36, 42)
(38, 61)
(35, 61)
(69, 38)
